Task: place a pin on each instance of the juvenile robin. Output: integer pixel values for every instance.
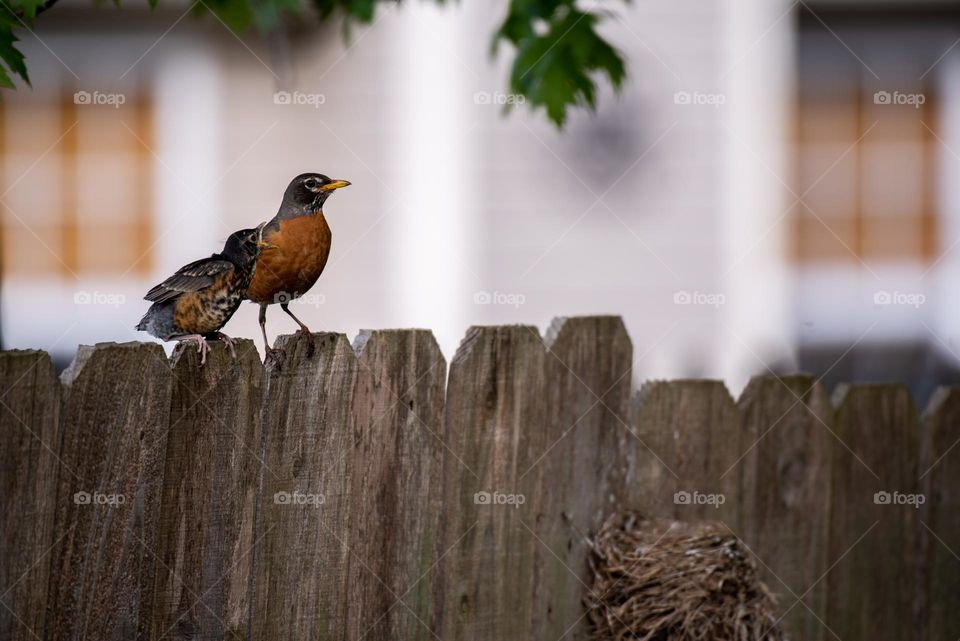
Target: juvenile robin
(194, 303)
(299, 238)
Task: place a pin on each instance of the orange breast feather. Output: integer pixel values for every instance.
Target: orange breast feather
(302, 246)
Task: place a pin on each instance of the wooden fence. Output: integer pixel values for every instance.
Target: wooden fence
(365, 492)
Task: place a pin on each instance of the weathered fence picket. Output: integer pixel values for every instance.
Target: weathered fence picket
(939, 476)
(873, 541)
(115, 420)
(785, 497)
(301, 538)
(687, 449)
(29, 449)
(209, 494)
(365, 493)
(586, 465)
(494, 428)
(395, 506)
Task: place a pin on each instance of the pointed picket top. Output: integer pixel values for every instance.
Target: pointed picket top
(687, 444)
(563, 328)
(128, 352)
(376, 341)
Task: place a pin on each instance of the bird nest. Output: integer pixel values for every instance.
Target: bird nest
(660, 580)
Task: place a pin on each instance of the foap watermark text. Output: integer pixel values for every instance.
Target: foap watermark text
(709, 299)
(696, 498)
(499, 298)
(914, 100)
(499, 498)
(98, 498)
(906, 299)
(299, 98)
(84, 297)
(299, 498)
(899, 498)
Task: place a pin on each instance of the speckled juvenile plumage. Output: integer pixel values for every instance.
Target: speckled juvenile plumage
(201, 297)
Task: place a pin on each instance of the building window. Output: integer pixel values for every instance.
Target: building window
(865, 152)
(76, 185)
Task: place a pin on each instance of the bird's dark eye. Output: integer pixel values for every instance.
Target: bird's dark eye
(310, 183)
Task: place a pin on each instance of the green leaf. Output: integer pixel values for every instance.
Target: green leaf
(28, 8)
(554, 66)
(236, 14)
(10, 55)
(361, 11)
(5, 80)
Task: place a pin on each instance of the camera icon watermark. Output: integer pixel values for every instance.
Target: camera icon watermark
(284, 298)
(715, 100)
(497, 498)
(84, 297)
(683, 297)
(914, 100)
(906, 299)
(299, 498)
(899, 498)
(299, 98)
(97, 98)
(696, 498)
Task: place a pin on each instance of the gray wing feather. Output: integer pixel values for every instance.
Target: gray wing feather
(189, 278)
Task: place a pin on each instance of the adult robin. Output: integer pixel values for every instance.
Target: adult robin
(300, 245)
(198, 300)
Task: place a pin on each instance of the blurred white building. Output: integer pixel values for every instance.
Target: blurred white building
(766, 192)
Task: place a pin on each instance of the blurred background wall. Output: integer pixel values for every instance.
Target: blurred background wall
(772, 191)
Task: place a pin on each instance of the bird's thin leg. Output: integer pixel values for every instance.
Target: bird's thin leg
(263, 330)
(231, 343)
(303, 328)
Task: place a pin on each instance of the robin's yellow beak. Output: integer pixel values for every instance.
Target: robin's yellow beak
(265, 245)
(335, 184)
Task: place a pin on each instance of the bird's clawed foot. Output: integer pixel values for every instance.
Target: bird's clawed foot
(272, 353)
(305, 334)
(203, 348)
(230, 343)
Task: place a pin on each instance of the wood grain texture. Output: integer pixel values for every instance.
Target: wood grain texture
(396, 500)
(29, 447)
(205, 537)
(586, 465)
(688, 443)
(785, 493)
(115, 417)
(940, 529)
(301, 560)
(495, 434)
(872, 587)
(334, 494)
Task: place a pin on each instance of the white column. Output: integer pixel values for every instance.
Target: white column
(759, 71)
(432, 228)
